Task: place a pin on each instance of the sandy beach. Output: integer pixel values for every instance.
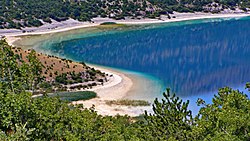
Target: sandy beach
(116, 88)
(118, 85)
(12, 34)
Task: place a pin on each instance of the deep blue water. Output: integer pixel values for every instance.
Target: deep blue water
(192, 58)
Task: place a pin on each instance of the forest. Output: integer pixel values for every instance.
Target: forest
(49, 118)
(27, 13)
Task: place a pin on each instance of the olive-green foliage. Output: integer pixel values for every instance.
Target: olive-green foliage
(25, 13)
(227, 118)
(248, 86)
(11, 75)
(15, 74)
(34, 68)
(171, 119)
(21, 133)
(51, 119)
(197, 5)
(71, 78)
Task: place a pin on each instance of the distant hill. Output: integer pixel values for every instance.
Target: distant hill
(26, 13)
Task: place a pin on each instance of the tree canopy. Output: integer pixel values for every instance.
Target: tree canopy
(26, 13)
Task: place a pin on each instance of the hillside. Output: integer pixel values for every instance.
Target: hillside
(58, 74)
(27, 13)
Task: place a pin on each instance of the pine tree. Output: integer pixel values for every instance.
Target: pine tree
(171, 119)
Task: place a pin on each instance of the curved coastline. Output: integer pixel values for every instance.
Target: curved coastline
(116, 88)
(120, 83)
(13, 36)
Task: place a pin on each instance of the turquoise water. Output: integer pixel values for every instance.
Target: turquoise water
(193, 58)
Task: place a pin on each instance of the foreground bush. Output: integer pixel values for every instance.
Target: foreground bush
(26, 118)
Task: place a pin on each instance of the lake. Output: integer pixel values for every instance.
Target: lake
(193, 58)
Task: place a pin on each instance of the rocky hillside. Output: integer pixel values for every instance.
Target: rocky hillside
(63, 75)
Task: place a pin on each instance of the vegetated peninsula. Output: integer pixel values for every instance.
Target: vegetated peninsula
(30, 13)
(53, 74)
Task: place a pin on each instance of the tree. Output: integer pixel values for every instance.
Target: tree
(248, 86)
(171, 119)
(9, 71)
(35, 70)
(227, 118)
(21, 133)
(17, 75)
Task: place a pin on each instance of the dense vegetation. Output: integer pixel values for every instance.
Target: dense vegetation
(25, 118)
(25, 13)
(213, 6)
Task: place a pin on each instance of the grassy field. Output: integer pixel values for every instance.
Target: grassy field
(74, 96)
(127, 102)
(111, 25)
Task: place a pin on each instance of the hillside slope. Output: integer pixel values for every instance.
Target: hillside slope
(26, 13)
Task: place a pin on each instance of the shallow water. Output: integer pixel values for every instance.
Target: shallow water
(193, 58)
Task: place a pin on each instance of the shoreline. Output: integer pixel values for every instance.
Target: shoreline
(115, 89)
(119, 86)
(119, 81)
(11, 35)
